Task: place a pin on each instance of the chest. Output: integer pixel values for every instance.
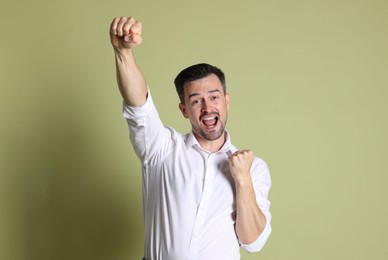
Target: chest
(196, 177)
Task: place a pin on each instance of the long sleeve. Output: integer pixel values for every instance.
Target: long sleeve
(147, 133)
(262, 184)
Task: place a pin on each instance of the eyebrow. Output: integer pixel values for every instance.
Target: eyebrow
(210, 91)
(193, 95)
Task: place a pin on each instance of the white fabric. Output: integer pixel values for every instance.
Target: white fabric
(188, 193)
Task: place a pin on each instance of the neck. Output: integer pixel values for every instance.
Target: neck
(211, 145)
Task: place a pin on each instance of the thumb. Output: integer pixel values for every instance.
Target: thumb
(127, 38)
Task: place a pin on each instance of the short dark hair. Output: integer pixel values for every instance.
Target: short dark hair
(195, 72)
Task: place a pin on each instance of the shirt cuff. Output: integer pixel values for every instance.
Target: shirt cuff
(260, 241)
(136, 113)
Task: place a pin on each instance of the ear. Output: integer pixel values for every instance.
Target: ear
(227, 97)
(182, 108)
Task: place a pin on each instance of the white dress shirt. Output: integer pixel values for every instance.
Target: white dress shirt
(189, 193)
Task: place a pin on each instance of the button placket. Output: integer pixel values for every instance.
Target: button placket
(202, 206)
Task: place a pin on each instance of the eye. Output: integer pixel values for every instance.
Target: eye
(215, 97)
(196, 102)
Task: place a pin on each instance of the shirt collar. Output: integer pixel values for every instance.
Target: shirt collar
(191, 141)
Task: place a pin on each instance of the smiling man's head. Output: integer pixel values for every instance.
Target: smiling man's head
(204, 101)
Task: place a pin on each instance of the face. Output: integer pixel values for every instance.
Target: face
(206, 106)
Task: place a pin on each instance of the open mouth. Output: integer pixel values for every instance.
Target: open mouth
(210, 121)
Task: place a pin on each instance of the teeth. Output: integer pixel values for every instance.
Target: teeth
(210, 121)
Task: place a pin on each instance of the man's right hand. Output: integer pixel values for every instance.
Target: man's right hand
(125, 33)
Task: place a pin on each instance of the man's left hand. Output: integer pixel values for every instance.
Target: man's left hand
(240, 164)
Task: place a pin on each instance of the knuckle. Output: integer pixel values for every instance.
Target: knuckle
(122, 20)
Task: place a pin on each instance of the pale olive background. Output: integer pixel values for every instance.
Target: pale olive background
(308, 82)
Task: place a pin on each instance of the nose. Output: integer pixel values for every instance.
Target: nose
(205, 106)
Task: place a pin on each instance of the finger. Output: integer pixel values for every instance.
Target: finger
(136, 28)
(127, 26)
(136, 39)
(120, 26)
(133, 39)
(241, 155)
(248, 153)
(113, 26)
(245, 152)
(233, 159)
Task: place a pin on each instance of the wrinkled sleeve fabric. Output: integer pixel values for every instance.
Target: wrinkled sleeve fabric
(147, 133)
(262, 184)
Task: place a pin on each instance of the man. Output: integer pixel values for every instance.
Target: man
(203, 199)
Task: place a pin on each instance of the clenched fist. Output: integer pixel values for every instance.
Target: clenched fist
(240, 164)
(125, 33)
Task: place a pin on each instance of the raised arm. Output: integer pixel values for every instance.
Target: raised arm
(125, 34)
